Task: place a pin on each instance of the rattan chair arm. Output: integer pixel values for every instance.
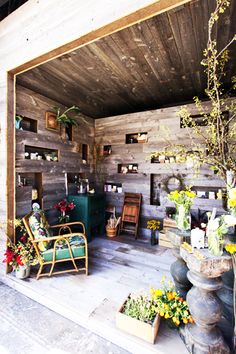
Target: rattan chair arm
(47, 239)
(68, 224)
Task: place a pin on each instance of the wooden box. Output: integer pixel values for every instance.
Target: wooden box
(137, 328)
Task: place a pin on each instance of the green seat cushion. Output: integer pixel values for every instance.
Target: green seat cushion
(63, 253)
(39, 228)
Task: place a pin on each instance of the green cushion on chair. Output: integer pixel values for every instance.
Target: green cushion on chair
(63, 253)
(77, 247)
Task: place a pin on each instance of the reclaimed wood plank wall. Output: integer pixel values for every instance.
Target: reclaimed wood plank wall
(163, 128)
(33, 105)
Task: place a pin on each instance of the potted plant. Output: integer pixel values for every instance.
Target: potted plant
(138, 317)
(64, 119)
(20, 256)
(18, 119)
(140, 314)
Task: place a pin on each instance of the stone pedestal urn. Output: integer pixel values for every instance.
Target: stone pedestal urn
(205, 271)
(179, 268)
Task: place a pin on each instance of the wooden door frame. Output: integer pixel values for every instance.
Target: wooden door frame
(138, 16)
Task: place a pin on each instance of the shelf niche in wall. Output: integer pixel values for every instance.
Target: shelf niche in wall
(135, 138)
(38, 153)
(125, 169)
(85, 153)
(106, 150)
(29, 124)
(28, 185)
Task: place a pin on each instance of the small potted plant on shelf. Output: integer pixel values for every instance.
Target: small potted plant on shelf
(64, 207)
(18, 120)
(64, 119)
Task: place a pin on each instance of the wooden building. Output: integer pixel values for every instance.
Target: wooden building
(128, 66)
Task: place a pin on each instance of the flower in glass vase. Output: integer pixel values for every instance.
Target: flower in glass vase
(154, 226)
(64, 207)
(183, 200)
(216, 229)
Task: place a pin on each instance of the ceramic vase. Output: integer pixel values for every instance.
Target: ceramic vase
(22, 272)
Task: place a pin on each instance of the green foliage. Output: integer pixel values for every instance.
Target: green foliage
(140, 307)
(18, 118)
(63, 117)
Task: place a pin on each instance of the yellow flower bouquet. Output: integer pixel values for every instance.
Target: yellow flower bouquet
(183, 201)
(232, 201)
(170, 305)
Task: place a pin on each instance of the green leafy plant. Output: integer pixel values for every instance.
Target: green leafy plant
(140, 307)
(170, 305)
(63, 117)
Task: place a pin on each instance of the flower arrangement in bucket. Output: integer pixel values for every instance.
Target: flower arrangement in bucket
(20, 256)
(154, 226)
(216, 229)
(183, 200)
(140, 314)
(64, 207)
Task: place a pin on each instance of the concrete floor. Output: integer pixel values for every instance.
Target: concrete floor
(115, 270)
(27, 327)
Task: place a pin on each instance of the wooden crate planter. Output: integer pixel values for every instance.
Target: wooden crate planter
(137, 328)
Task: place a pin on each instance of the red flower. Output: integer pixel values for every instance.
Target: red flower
(63, 209)
(9, 254)
(19, 260)
(23, 238)
(71, 206)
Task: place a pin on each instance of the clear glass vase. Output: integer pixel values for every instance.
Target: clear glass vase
(215, 243)
(183, 218)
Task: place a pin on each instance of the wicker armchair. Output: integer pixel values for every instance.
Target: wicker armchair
(64, 247)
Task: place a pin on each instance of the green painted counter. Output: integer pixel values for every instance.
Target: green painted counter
(90, 209)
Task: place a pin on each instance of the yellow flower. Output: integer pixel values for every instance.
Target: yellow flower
(232, 203)
(166, 307)
(177, 322)
(161, 313)
(167, 315)
(185, 320)
(170, 296)
(231, 248)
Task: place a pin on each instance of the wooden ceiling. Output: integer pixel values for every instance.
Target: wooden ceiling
(150, 65)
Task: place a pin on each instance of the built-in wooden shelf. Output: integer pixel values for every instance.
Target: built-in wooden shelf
(113, 187)
(29, 124)
(28, 186)
(38, 153)
(135, 138)
(85, 152)
(125, 169)
(107, 150)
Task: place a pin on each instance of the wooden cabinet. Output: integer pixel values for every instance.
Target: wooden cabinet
(90, 209)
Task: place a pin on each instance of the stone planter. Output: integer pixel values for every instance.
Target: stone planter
(22, 272)
(137, 328)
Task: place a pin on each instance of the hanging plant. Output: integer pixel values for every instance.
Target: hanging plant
(64, 119)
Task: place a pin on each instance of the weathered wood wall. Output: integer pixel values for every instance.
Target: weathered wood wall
(161, 125)
(32, 105)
